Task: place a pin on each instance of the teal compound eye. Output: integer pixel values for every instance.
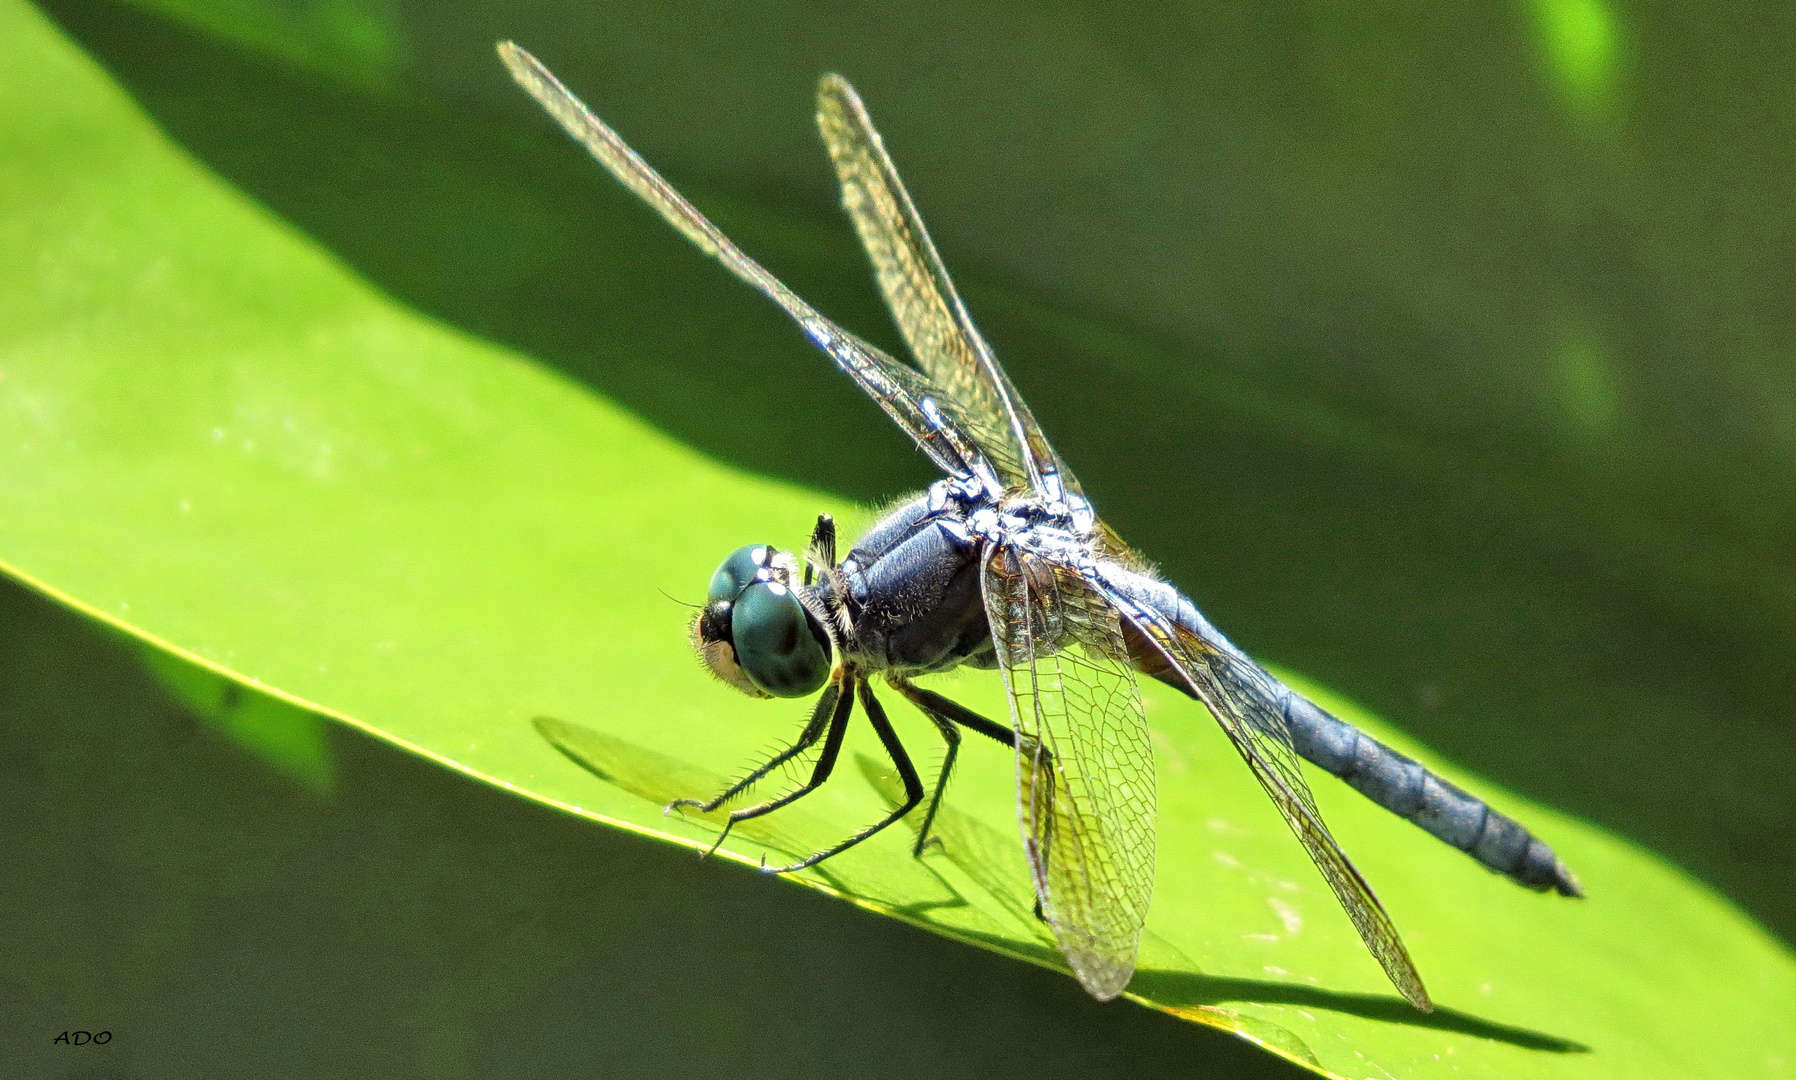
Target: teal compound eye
(737, 572)
(753, 633)
(774, 642)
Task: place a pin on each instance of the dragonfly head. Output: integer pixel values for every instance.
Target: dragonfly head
(753, 632)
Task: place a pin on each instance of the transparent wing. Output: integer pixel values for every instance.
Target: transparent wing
(929, 313)
(1085, 768)
(900, 390)
(1249, 704)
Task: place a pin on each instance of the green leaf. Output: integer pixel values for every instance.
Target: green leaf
(216, 436)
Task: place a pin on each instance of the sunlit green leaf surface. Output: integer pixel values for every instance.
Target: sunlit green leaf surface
(214, 435)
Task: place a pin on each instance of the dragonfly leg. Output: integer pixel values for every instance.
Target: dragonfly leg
(939, 708)
(821, 554)
(951, 736)
(945, 715)
(826, 707)
(1040, 764)
(826, 763)
(937, 705)
(831, 715)
(913, 785)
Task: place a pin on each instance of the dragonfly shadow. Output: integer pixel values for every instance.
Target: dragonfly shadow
(996, 867)
(1184, 989)
(661, 779)
(1206, 999)
(991, 862)
(912, 889)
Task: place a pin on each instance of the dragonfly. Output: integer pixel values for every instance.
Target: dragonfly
(1003, 563)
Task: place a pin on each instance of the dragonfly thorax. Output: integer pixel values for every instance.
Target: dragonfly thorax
(1059, 525)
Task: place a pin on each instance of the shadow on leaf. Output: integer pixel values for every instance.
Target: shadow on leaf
(994, 867)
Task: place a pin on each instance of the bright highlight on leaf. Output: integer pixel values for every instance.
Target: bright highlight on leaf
(489, 546)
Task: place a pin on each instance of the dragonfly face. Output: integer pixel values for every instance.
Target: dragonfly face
(1003, 564)
(753, 632)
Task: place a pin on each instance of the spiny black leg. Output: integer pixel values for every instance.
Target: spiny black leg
(826, 761)
(951, 736)
(942, 710)
(826, 707)
(913, 785)
(822, 551)
(931, 702)
(1042, 763)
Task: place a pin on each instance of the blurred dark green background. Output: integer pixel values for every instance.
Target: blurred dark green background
(1441, 354)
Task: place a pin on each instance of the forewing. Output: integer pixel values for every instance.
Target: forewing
(898, 388)
(928, 311)
(1249, 704)
(1085, 768)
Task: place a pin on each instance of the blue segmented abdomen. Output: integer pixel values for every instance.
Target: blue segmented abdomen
(1392, 780)
(1405, 788)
